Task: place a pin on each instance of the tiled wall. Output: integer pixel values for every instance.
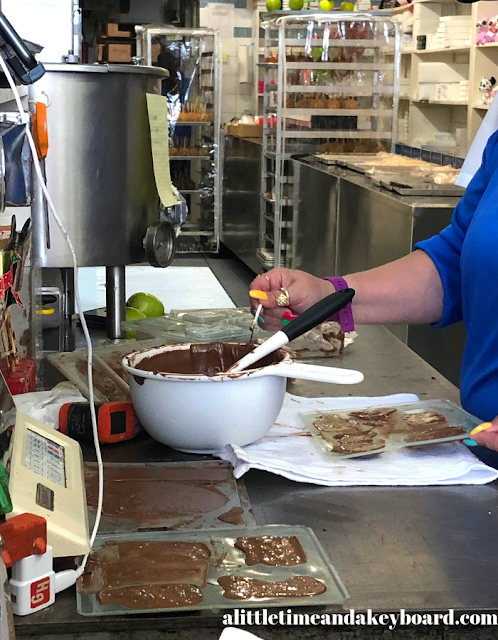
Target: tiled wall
(237, 21)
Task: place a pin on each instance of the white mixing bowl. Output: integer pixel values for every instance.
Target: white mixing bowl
(202, 414)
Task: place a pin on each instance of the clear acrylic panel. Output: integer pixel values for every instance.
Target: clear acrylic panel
(192, 57)
(331, 86)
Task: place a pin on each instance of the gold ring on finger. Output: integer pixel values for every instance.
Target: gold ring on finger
(283, 300)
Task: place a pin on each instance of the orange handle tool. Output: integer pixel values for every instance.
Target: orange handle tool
(116, 421)
(40, 129)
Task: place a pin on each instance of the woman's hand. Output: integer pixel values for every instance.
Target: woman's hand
(489, 437)
(304, 291)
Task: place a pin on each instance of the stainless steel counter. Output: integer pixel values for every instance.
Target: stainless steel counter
(421, 549)
(374, 225)
(345, 224)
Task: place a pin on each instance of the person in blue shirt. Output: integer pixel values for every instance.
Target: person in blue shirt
(450, 277)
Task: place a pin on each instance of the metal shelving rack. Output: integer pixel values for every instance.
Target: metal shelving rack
(332, 85)
(193, 57)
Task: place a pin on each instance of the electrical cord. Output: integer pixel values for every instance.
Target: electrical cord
(66, 577)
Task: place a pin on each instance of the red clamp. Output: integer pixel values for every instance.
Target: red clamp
(23, 536)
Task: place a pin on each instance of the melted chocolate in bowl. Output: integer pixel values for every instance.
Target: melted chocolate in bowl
(208, 359)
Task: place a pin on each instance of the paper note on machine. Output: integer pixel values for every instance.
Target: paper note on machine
(158, 119)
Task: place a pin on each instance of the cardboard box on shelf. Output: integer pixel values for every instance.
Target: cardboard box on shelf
(113, 31)
(155, 51)
(443, 91)
(456, 20)
(119, 52)
(244, 130)
(452, 91)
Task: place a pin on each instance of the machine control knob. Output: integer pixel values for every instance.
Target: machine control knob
(160, 243)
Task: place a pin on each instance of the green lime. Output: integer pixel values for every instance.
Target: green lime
(148, 304)
(296, 5)
(133, 314)
(273, 5)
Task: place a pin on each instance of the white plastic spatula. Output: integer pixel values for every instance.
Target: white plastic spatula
(306, 321)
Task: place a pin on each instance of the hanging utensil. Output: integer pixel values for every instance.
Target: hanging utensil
(306, 321)
(22, 249)
(40, 134)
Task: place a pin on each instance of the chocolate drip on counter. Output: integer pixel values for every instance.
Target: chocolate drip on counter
(273, 551)
(239, 588)
(207, 359)
(234, 516)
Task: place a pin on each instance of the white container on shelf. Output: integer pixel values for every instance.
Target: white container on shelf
(427, 91)
(452, 91)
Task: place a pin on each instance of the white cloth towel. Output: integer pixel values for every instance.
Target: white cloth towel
(290, 451)
(45, 405)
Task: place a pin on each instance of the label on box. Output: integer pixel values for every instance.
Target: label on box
(364, 123)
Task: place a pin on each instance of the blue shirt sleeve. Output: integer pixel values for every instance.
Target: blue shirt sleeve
(445, 249)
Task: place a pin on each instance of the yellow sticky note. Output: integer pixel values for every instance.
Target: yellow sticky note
(157, 107)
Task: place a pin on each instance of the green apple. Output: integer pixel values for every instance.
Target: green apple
(296, 5)
(347, 6)
(273, 5)
(326, 5)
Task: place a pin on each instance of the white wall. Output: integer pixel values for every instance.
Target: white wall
(46, 22)
(237, 22)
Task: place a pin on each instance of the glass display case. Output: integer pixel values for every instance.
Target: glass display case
(331, 86)
(192, 57)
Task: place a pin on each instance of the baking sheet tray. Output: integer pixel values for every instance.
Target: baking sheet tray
(170, 496)
(342, 158)
(454, 414)
(225, 560)
(417, 188)
(107, 385)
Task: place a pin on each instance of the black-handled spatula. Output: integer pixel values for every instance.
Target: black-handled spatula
(306, 321)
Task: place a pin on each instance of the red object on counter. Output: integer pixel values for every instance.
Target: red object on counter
(116, 421)
(23, 380)
(23, 536)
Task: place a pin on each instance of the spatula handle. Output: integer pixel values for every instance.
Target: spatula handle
(318, 313)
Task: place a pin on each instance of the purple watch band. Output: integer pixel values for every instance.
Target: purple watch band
(345, 316)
